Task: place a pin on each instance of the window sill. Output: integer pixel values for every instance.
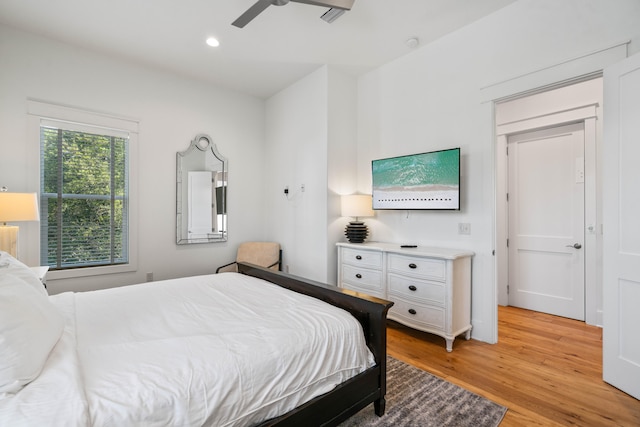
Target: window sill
(91, 271)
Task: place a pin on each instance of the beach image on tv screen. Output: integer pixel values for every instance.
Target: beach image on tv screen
(419, 181)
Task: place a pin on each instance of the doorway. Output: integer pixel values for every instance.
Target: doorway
(618, 89)
(552, 265)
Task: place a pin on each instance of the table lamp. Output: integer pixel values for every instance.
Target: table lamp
(356, 205)
(15, 207)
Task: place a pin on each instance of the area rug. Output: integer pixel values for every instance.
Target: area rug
(417, 398)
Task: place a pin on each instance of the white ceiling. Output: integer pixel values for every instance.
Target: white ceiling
(277, 48)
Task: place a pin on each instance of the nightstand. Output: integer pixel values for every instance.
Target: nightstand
(41, 272)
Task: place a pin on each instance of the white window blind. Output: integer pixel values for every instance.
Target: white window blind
(84, 195)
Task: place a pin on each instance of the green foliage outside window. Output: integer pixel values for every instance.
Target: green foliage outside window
(84, 200)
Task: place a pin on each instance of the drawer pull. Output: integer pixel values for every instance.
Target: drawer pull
(412, 265)
(359, 276)
(412, 311)
(413, 288)
(358, 257)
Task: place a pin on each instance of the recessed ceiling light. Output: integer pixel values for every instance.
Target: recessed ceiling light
(213, 42)
(413, 42)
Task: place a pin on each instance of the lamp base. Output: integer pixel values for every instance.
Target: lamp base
(356, 232)
(9, 239)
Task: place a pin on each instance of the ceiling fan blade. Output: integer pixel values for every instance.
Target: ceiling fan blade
(251, 13)
(337, 4)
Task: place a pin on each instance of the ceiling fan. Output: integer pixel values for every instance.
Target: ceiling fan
(261, 5)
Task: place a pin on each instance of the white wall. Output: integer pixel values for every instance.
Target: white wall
(342, 159)
(171, 111)
(311, 139)
(296, 134)
(431, 99)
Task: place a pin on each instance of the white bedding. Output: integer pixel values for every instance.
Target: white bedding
(218, 350)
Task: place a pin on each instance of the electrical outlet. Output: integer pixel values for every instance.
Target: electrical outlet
(464, 228)
(150, 276)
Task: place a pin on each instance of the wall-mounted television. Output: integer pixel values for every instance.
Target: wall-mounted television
(418, 181)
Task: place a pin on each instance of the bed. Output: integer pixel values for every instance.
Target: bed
(203, 350)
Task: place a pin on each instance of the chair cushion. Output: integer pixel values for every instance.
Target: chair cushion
(263, 254)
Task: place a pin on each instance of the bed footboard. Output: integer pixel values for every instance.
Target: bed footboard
(361, 390)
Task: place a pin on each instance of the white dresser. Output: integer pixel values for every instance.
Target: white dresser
(430, 287)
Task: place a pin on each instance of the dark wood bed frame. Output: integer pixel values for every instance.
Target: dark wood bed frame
(351, 396)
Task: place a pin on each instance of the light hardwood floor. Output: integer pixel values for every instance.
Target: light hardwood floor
(546, 370)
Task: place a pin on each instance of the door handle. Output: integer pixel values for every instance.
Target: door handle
(575, 246)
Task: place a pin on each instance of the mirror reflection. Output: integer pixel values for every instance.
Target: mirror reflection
(201, 196)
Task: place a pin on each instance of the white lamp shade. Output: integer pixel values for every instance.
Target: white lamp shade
(357, 205)
(18, 207)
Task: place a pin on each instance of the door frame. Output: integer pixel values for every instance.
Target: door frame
(548, 76)
(588, 115)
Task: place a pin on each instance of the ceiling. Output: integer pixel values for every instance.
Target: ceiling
(280, 46)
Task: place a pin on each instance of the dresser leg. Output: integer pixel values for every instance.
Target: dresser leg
(449, 344)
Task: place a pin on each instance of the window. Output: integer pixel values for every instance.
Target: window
(83, 197)
(86, 192)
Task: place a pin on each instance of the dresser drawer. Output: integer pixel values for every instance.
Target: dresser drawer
(371, 259)
(424, 267)
(364, 290)
(417, 314)
(363, 278)
(416, 290)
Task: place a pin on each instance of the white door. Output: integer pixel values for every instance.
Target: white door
(621, 220)
(546, 220)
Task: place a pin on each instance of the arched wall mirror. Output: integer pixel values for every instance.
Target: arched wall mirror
(201, 196)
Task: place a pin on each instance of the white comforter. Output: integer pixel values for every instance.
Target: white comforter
(218, 350)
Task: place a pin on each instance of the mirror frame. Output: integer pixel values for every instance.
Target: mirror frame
(199, 149)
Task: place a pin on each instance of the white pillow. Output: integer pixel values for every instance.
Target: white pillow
(9, 264)
(30, 326)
